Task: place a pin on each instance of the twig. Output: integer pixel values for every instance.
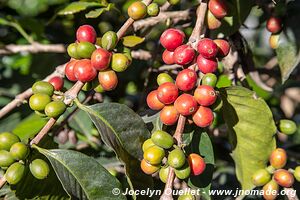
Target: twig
(291, 194)
(32, 48)
(43, 132)
(2, 181)
(141, 54)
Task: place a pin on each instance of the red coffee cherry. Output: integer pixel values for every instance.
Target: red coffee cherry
(203, 117)
(197, 164)
(186, 104)
(57, 82)
(100, 59)
(84, 71)
(218, 8)
(207, 65)
(167, 93)
(168, 57)
(223, 47)
(184, 54)
(207, 48)
(172, 38)
(108, 79)
(205, 95)
(169, 115)
(69, 70)
(86, 33)
(284, 178)
(278, 158)
(153, 102)
(186, 80)
(211, 21)
(274, 24)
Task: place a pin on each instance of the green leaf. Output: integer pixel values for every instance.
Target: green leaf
(152, 121)
(201, 144)
(124, 131)
(132, 40)
(9, 122)
(82, 176)
(81, 123)
(251, 131)
(76, 7)
(95, 13)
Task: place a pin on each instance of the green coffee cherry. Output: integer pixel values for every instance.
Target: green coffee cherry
(164, 173)
(297, 173)
(99, 89)
(153, 9)
(162, 139)
(85, 49)
(119, 62)
(186, 197)
(104, 27)
(15, 173)
(176, 158)
(148, 143)
(164, 78)
(183, 172)
(6, 159)
(72, 51)
(7, 140)
(39, 168)
(174, 2)
(42, 87)
(55, 109)
(209, 79)
(38, 102)
(87, 86)
(154, 155)
(287, 126)
(261, 177)
(19, 151)
(109, 40)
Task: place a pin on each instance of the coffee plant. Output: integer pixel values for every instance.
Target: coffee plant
(152, 99)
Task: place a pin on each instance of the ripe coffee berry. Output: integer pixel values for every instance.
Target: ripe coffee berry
(197, 164)
(203, 117)
(207, 65)
(186, 104)
(218, 8)
(211, 21)
(168, 57)
(108, 79)
(167, 93)
(169, 115)
(100, 59)
(69, 70)
(223, 47)
(57, 83)
(84, 71)
(186, 80)
(164, 78)
(137, 10)
(184, 54)
(284, 178)
(274, 24)
(86, 33)
(153, 102)
(148, 168)
(278, 158)
(207, 48)
(271, 190)
(205, 95)
(172, 38)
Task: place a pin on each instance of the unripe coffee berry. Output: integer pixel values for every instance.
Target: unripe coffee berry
(164, 78)
(42, 87)
(172, 38)
(297, 173)
(85, 49)
(278, 158)
(162, 139)
(205, 95)
(153, 9)
(148, 143)
(57, 83)
(186, 197)
(137, 10)
(38, 102)
(153, 102)
(100, 59)
(167, 93)
(164, 173)
(109, 40)
(174, 2)
(168, 57)
(183, 172)
(84, 71)
(108, 79)
(7, 140)
(218, 8)
(169, 115)
(186, 104)
(206, 65)
(186, 80)
(287, 126)
(176, 158)
(154, 155)
(184, 54)
(274, 24)
(284, 178)
(203, 117)
(19, 151)
(261, 177)
(86, 33)
(6, 159)
(274, 40)
(197, 164)
(148, 168)
(223, 47)
(69, 70)
(72, 51)
(55, 109)
(270, 190)
(207, 48)
(119, 62)
(15, 173)
(39, 169)
(209, 79)
(211, 21)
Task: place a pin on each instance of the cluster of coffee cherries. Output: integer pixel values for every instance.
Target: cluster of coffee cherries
(161, 145)
(217, 10)
(44, 102)
(274, 175)
(274, 25)
(13, 159)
